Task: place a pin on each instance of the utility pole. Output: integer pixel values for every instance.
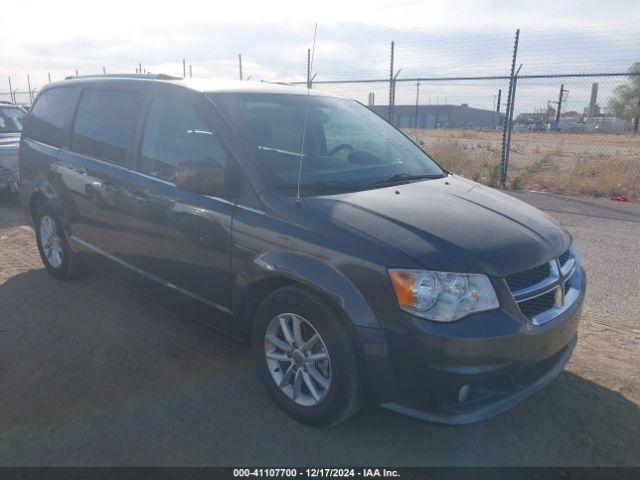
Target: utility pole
(30, 92)
(390, 111)
(184, 68)
(559, 104)
(417, 102)
(240, 64)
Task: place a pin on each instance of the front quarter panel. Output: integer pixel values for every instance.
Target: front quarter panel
(293, 243)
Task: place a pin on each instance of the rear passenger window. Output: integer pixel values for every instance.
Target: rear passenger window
(175, 132)
(105, 124)
(50, 114)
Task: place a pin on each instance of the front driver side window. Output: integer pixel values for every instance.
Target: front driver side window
(175, 132)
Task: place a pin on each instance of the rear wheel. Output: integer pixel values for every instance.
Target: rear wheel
(53, 247)
(306, 358)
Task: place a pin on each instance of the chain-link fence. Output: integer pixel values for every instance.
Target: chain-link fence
(551, 110)
(571, 133)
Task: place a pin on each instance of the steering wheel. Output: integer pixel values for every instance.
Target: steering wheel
(342, 146)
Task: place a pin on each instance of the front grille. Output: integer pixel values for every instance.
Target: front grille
(520, 280)
(567, 285)
(546, 277)
(537, 305)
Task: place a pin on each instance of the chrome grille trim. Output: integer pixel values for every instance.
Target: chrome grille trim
(569, 299)
(541, 287)
(562, 279)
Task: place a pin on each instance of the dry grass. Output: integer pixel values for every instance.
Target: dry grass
(455, 158)
(573, 164)
(614, 176)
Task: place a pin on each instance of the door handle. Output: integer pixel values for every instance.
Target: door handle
(140, 196)
(111, 186)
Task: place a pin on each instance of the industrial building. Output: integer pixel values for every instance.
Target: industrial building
(441, 116)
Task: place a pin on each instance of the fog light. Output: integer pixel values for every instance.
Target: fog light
(463, 393)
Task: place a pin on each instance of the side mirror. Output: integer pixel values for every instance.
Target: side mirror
(201, 175)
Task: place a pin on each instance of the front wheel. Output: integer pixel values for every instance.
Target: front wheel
(306, 358)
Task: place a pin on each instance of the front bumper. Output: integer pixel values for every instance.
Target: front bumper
(497, 358)
(494, 394)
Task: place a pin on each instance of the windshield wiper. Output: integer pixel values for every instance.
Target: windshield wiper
(401, 177)
(337, 185)
(321, 185)
(329, 185)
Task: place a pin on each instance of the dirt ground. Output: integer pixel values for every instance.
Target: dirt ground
(92, 373)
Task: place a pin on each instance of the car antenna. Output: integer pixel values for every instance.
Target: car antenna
(306, 111)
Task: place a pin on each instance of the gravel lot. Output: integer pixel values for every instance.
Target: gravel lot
(92, 373)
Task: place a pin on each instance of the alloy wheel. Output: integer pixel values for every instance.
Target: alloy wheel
(298, 359)
(51, 241)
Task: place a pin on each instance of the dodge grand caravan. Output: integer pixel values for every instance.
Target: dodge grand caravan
(306, 225)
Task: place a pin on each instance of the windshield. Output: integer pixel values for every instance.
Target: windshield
(346, 145)
(11, 119)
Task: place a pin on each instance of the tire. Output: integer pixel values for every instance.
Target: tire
(54, 249)
(337, 393)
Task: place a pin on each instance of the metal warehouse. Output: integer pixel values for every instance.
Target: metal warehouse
(440, 116)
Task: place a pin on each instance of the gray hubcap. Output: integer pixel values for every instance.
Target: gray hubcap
(51, 242)
(298, 359)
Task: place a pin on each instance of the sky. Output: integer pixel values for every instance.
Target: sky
(432, 38)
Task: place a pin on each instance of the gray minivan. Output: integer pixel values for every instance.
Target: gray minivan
(304, 224)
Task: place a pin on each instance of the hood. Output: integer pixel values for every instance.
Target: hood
(9, 138)
(451, 224)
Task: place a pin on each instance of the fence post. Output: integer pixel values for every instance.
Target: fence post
(513, 101)
(559, 105)
(11, 97)
(308, 68)
(240, 64)
(391, 89)
(506, 132)
(417, 103)
(184, 68)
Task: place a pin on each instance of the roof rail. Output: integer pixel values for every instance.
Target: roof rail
(151, 76)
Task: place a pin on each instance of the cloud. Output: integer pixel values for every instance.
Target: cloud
(433, 39)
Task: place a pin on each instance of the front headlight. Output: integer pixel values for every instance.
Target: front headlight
(442, 296)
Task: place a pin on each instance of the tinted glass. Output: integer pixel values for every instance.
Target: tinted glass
(49, 115)
(11, 120)
(175, 132)
(105, 124)
(344, 142)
